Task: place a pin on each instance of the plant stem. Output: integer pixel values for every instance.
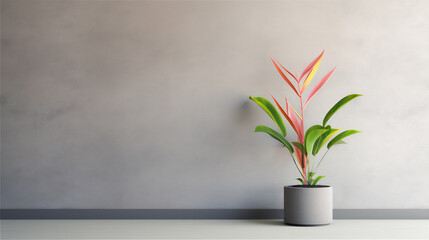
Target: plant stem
(297, 166)
(302, 130)
(312, 165)
(322, 158)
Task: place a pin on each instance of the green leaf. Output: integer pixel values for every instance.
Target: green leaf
(275, 135)
(339, 137)
(312, 128)
(322, 140)
(271, 111)
(300, 179)
(338, 105)
(299, 146)
(310, 178)
(317, 179)
(311, 136)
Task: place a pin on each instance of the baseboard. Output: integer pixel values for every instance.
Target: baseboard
(201, 214)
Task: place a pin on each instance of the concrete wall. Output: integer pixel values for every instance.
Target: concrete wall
(144, 104)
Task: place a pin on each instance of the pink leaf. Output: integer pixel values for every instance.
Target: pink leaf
(287, 117)
(310, 75)
(285, 78)
(301, 158)
(319, 85)
(297, 114)
(287, 106)
(298, 155)
(310, 66)
(287, 71)
(296, 123)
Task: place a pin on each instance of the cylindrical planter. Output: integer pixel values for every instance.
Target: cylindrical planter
(308, 205)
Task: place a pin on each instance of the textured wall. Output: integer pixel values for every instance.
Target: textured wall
(144, 104)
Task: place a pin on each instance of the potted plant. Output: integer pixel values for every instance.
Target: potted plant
(307, 203)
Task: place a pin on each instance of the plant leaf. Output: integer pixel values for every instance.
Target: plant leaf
(323, 139)
(311, 75)
(295, 121)
(298, 155)
(338, 105)
(285, 78)
(340, 136)
(294, 77)
(317, 179)
(298, 145)
(297, 114)
(300, 179)
(311, 136)
(287, 117)
(276, 135)
(310, 66)
(310, 178)
(271, 111)
(318, 86)
(312, 128)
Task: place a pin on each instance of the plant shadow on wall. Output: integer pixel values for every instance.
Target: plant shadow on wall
(309, 203)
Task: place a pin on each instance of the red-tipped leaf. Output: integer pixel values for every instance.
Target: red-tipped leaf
(285, 78)
(319, 85)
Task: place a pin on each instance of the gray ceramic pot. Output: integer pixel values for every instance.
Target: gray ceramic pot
(308, 206)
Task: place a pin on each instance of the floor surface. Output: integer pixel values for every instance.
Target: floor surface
(211, 229)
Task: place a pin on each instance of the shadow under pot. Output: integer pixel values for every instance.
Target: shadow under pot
(306, 205)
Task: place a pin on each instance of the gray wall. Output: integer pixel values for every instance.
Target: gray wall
(144, 104)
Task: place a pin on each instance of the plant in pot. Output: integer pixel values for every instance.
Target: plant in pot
(307, 203)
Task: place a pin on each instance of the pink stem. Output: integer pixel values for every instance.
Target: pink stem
(302, 138)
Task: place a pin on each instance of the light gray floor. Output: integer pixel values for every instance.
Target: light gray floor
(212, 229)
